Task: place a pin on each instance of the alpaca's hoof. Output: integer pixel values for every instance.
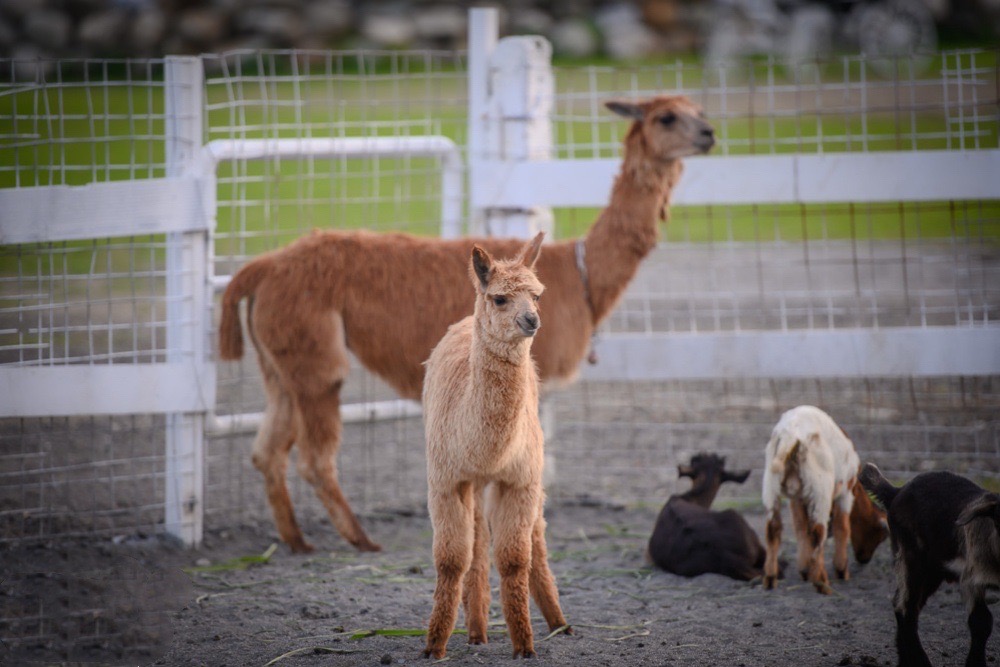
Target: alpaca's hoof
(524, 653)
(437, 654)
(844, 574)
(367, 545)
(770, 582)
(823, 588)
(804, 574)
(300, 546)
(564, 629)
(478, 638)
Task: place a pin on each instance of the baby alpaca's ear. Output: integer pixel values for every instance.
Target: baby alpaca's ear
(482, 267)
(529, 253)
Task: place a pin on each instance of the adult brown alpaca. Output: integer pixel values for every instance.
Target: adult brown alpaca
(390, 297)
(483, 435)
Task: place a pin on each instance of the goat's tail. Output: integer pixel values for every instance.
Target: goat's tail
(787, 448)
(243, 284)
(877, 485)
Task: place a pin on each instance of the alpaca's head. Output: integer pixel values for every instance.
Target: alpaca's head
(666, 127)
(507, 292)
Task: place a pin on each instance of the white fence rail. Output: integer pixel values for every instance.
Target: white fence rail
(514, 185)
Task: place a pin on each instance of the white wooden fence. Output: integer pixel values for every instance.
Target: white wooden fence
(514, 182)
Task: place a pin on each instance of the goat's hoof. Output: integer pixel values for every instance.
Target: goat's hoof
(770, 582)
(300, 546)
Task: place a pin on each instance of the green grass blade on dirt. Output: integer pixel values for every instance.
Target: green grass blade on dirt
(239, 563)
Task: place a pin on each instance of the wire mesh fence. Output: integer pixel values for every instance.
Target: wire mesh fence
(720, 268)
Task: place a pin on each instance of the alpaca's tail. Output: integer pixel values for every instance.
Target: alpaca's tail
(877, 485)
(242, 285)
(787, 448)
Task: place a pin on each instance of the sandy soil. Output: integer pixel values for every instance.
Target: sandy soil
(323, 609)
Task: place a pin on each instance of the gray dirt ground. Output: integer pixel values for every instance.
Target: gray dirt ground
(623, 612)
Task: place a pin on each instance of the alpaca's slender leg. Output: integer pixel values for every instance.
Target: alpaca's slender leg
(773, 546)
(804, 549)
(313, 364)
(540, 580)
(476, 588)
(270, 456)
(452, 515)
(318, 444)
(513, 516)
(841, 521)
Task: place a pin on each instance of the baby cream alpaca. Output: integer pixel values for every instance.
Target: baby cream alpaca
(811, 460)
(483, 437)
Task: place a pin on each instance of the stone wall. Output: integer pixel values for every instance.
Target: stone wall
(143, 28)
(625, 29)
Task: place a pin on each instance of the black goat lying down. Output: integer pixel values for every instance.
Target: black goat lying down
(690, 539)
(943, 528)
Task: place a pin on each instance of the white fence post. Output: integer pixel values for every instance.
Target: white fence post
(188, 261)
(511, 94)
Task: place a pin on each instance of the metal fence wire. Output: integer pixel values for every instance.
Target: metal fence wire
(718, 269)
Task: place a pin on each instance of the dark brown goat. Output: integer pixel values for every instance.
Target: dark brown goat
(943, 527)
(690, 539)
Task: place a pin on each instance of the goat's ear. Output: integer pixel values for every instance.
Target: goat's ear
(482, 266)
(987, 506)
(738, 477)
(529, 253)
(629, 110)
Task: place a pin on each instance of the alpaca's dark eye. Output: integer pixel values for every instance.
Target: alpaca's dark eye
(668, 118)
(535, 297)
(499, 300)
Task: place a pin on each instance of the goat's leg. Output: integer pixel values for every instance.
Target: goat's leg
(319, 441)
(270, 456)
(803, 553)
(540, 580)
(454, 527)
(513, 515)
(913, 586)
(817, 567)
(980, 625)
(476, 588)
(841, 536)
(773, 547)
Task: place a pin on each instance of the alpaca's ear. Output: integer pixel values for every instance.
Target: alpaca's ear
(624, 109)
(529, 253)
(482, 266)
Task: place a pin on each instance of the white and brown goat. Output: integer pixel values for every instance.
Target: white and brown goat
(811, 461)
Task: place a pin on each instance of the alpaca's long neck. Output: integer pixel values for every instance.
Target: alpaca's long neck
(504, 381)
(626, 231)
